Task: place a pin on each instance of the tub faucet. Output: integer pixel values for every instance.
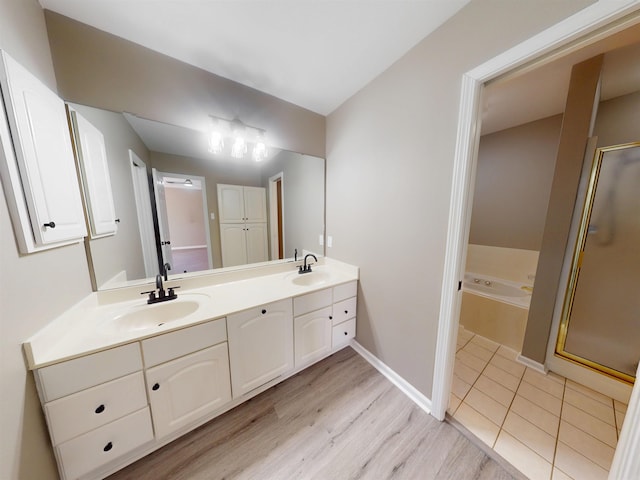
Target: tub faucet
(304, 268)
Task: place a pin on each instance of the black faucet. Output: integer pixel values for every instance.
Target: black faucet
(160, 294)
(306, 268)
(165, 268)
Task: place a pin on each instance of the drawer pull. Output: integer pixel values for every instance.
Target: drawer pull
(264, 311)
(155, 387)
(346, 333)
(100, 409)
(330, 317)
(107, 447)
(346, 312)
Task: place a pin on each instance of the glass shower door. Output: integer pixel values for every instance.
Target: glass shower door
(600, 325)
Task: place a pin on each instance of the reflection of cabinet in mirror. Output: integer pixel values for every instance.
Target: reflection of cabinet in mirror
(96, 181)
(38, 171)
(242, 212)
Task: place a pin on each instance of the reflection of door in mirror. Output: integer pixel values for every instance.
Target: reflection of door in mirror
(600, 318)
(145, 214)
(276, 216)
(181, 205)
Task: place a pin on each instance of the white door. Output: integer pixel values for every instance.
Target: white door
(92, 156)
(255, 204)
(163, 220)
(231, 203)
(233, 243)
(257, 242)
(145, 214)
(183, 390)
(312, 334)
(42, 144)
(260, 345)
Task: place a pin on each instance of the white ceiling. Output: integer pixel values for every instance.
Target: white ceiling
(313, 53)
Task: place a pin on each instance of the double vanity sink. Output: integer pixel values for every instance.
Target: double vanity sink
(119, 378)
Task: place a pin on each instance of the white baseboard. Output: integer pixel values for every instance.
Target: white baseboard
(405, 387)
(537, 366)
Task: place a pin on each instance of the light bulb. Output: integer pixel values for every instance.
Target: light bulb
(216, 142)
(239, 147)
(259, 150)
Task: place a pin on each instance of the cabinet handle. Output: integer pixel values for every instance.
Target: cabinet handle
(346, 333)
(264, 311)
(50, 225)
(330, 317)
(346, 312)
(156, 386)
(100, 409)
(108, 447)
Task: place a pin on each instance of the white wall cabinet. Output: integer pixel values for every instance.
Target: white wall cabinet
(260, 345)
(186, 389)
(242, 212)
(44, 195)
(96, 181)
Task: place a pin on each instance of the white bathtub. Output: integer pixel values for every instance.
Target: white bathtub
(498, 289)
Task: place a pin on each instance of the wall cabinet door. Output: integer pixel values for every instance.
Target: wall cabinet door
(42, 145)
(312, 333)
(183, 390)
(92, 158)
(260, 345)
(255, 204)
(257, 242)
(231, 203)
(233, 242)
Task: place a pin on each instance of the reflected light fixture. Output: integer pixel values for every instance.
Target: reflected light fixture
(240, 136)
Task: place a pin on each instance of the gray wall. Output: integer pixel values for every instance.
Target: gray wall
(34, 288)
(122, 251)
(303, 195)
(390, 151)
(513, 183)
(105, 71)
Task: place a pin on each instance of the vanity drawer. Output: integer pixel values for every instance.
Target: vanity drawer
(65, 378)
(311, 301)
(163, 348)
(344, 310)
(80, 412)
(344, 291)
(98, 447)
(341, 334)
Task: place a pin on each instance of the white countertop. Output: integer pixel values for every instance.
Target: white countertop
(85, 328)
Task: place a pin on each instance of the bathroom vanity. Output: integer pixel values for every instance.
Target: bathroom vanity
(118, 378)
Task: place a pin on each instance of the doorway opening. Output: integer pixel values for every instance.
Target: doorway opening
(276, 216)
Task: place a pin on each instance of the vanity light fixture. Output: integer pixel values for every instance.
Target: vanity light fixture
(240, 136)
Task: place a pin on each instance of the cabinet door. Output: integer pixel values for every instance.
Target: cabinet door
(257, 242)
(255, 204)
(233, 242)
(92, 157)
(260, 345)
(188, 388)
(42, 144)
(312, 333)
(231, 203)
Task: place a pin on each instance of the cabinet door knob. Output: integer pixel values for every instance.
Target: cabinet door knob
(100, 409)
(156, 386)
(330, 317)
(108, 447)
(346, 333)
(264, 311)
(346, 312)
(50, 225)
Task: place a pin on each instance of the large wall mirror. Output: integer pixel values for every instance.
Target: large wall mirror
(599, 325)
(177, 219)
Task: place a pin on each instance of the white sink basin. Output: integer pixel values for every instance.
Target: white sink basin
(311, 279)
(143, 317)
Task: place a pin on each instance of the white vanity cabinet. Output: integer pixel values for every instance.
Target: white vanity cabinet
(344, 314)
(187, 375)
(96, 408)
(260, 345)
(39, 168)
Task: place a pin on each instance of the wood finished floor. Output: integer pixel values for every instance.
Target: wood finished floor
(339, 419)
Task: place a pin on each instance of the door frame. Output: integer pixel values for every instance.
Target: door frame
(205, 209)
(274, 234)
(589, 25)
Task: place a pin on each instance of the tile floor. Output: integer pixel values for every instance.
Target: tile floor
(546, 426)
